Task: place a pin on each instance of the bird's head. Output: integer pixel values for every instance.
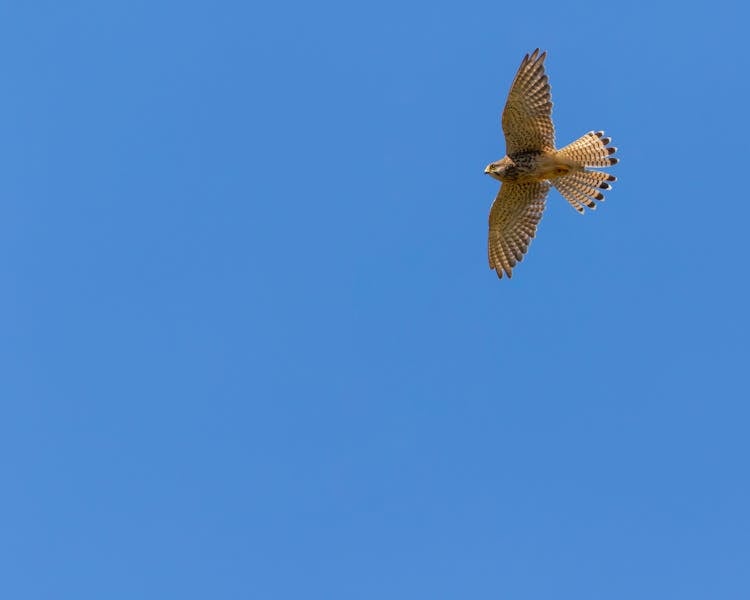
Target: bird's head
(496, 170)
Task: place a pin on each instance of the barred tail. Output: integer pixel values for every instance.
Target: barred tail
(581, 188)
(590, 150)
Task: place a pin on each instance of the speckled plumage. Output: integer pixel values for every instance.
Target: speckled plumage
(532, 164)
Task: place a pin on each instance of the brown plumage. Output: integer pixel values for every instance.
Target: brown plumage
(533, 163)
(514, 217)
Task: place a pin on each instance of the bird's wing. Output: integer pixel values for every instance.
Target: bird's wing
(514, 217)
(527, 117)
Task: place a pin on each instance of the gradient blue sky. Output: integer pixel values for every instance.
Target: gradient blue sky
(250, 344)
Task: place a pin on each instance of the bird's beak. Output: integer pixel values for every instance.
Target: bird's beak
(487, 170)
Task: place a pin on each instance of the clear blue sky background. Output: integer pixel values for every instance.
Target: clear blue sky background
(250, 344)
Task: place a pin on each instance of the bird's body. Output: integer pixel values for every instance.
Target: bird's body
(525, 167)
(533, 164)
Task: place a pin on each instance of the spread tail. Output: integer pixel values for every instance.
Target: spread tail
(581, 188)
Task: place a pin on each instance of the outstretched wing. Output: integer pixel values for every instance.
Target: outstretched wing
(527, 118)
(514, 217)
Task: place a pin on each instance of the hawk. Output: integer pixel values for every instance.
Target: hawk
(532, 165)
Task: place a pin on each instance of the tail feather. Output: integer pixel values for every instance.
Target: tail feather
(590, 150)
(581, 188)
(572, 194)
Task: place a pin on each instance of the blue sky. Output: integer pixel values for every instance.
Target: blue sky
(251, 347)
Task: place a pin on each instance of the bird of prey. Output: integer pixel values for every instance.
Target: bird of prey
(532, 164)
